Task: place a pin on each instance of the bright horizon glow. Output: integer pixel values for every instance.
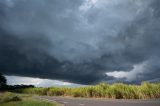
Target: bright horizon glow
(130, 75)
(37, 82)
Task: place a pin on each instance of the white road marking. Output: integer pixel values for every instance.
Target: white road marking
(48, 100)
(81, 104)
(65, 102)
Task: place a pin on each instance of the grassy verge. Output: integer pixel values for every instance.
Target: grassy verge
(11, 99)
(103, 90)
(28, 103)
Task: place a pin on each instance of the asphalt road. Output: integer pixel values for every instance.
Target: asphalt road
(100, 102)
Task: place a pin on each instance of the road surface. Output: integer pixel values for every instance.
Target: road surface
(99, 102)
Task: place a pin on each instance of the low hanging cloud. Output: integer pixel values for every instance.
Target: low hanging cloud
(38, 82)
(80, 41)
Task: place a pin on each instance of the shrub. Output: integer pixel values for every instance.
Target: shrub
(9, 97)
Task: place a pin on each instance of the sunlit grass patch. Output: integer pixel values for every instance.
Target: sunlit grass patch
(103, 90)
(9, 97)
(28, 102)
(12, 99)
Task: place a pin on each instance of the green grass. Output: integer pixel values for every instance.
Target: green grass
(9, 97)
(28, 102)
(103, 90)
(12, 99)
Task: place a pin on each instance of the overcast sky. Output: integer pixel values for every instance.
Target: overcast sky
(80, 41)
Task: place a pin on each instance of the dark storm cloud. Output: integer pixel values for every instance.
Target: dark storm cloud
(78, 40)
(25, 59)
(142, 39)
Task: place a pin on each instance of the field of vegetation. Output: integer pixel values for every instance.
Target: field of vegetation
(103, 90)
(11, 99)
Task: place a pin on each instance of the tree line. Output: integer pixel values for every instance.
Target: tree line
(5, 87)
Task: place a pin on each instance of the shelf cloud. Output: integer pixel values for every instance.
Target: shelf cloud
(80, 41)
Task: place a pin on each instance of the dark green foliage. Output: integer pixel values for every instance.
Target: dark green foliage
(3, 82)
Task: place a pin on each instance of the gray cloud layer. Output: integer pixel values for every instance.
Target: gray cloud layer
(79, 40)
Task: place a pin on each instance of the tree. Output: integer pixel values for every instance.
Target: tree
(3, 81)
